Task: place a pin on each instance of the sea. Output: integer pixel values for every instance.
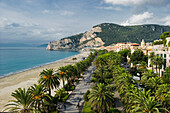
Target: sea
(18, 59)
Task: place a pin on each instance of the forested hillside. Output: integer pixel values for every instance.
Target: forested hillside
(109, 33)
(113, 33)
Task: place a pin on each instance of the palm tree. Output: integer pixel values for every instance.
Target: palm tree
(160, 63)
(49, 80)
(80, 68)
(144, 102)
(143, 66)
(74, 59)
(38, 93)
(63, 74)
(146, 75)
(99, 63)
(124, 79)
(166, 76)
(60, 93)
(156, 62)
(100, 98)
(125, 98)
(150, 105)
(154, 82)
(151, 56)
(71, 75)
(163, 94)
(22, 103)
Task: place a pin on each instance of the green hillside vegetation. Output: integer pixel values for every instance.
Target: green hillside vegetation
(75, 38)
(113, 33)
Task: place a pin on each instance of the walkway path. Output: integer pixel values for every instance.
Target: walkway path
(118, 104)
(75, 102)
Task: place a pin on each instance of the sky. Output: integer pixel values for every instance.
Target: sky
(40, 21)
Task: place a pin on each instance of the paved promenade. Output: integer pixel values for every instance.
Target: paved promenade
(118, 104)
(75, 102)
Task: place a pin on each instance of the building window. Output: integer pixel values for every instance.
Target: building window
(161, 55)
(157, 55)
(165, 63)
(164, 55)
(169, 60)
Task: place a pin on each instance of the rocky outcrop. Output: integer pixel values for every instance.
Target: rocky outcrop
(94, 42)
(77, 42)
(90, 34)
(60, 44)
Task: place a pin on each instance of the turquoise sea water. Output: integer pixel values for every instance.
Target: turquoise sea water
(16, 59)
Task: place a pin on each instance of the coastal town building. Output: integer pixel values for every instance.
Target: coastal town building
(134, 46)
(149, 44)
(162, 51)
(121, 46)
(146, 47)
(143, 44)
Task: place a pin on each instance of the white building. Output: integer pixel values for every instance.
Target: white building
(163, 51)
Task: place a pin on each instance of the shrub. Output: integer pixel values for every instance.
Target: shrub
(94, 80)
(77, 81)
(65, 97)
(114, 111)
(85, 97)
(108, 81)
(69, 88)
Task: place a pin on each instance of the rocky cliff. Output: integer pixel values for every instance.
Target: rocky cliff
(109, 33)
(77, 42)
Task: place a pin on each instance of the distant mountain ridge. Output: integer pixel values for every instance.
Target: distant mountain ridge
(109, 33)
(14, 45)
(21, 45)
(43, 45)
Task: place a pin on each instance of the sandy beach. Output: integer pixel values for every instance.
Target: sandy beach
(28, 78)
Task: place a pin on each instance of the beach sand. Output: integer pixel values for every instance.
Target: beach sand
(28, 78)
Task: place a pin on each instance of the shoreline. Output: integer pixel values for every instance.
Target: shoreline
(34, 67)
(27, 78)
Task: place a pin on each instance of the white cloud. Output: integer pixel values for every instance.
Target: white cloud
(67, 13)
(166, 20)
(138, 19)
(125, 2)
(46, 11)
(36, 32)
(4, 22)
(58, 34)
(110, 8)
(29, 1)
(138, 2)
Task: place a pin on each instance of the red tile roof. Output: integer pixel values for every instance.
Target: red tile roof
(134, 44)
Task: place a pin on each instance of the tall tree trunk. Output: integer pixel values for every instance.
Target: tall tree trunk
(70, 82)
(159, 71)
(101, 73)
(63, 83)
(39, 107)
(49, 89)
(48, 107)
(156, 68)
(101, 109)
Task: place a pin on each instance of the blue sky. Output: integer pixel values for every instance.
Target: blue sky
(41, 21)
